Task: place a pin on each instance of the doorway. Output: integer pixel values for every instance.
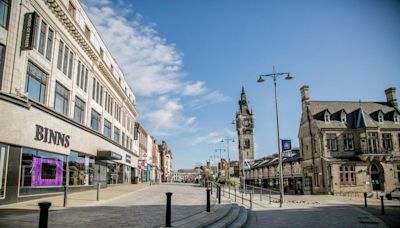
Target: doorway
(376, 172)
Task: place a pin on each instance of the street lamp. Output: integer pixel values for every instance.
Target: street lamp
(274, 75)
(227, 140)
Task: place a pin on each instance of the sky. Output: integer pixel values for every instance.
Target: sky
(186, 62)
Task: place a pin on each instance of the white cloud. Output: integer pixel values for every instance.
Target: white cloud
(214, 137)
(152, 67)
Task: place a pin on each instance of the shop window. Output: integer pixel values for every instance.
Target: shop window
(79, 110)
(348, 142)
(115, 173)
(40, 171)
(107, 128)
(331, 141)
(347, 175)
(61, 99)
(387, 141)
(116, 135)
(95, 120)
(4, 11)
(3, 169)
(81, 169)
(35, 83)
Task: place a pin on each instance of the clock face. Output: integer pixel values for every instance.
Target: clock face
(246, 122)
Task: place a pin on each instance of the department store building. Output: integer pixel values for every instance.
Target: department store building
(67, 115)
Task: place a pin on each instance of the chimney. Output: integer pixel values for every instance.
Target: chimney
(391, 97)
(305, 93)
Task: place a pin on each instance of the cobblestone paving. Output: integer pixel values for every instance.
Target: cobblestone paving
(142, 208)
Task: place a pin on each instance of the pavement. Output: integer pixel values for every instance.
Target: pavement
(143, 207)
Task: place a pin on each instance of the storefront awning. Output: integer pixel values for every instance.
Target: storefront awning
(108, 155)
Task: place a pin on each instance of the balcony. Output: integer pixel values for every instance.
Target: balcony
(381, 154)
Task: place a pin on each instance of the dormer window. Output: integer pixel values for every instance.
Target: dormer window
(327, 117)
(396, 118)
(380, 117)
(343, 117)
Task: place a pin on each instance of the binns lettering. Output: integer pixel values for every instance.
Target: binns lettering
(50, 136)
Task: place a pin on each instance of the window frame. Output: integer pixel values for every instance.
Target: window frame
(98, 119)
(7, 17)
(330, 141)
(64, 96)
(347, 175)
(43, 82)
(82, 108)
(107, 125)
(348, 140)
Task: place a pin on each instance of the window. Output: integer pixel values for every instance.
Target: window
(246, 143)
(82, 76)
(71, 9)
(4, 11)
(123, 139)
(65, 58)
(396, 118)
(60, 55)
(41, 172)
(81, 169)
(380, 118)
(107, 128)
(387, 141)
(116, 135)
(348, 142)
(372, 142)
(327, 117)
(35, 83)
(347, 175)
(3, 166)
(42, 37)
(331, 141)
(343, 117)
(49, 44)
(95, 120)
(61, 99)
(79, 110)
(2, 54)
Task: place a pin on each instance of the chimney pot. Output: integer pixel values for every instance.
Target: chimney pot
(305, 93)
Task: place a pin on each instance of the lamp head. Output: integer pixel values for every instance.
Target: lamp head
(289, 77)
(260, 80)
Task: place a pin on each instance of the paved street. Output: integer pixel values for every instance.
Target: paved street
(141, 208)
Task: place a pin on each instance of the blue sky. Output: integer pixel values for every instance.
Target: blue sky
(187, 60)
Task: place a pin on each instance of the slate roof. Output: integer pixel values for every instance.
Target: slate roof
(358, 114)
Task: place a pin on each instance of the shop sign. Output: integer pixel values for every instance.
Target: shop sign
(29, 30)
(50, 136)
(115, 156)
(128, 158)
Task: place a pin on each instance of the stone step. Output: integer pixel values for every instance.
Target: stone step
(228, 219)
(241, 219)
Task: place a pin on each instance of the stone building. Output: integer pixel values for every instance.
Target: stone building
(67, 112)
(264, 173)
(165, 161)
(350, 147)
(244, 128)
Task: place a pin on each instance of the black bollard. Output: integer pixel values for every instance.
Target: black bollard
(219, 194)
(65, 195)
(98, 192)
(208, 200)
(211, 187)
(44, 214)
(382, 206)
(168, 212)
(365, 199)
(251, 200)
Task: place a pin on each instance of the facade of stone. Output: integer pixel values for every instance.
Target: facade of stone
(67, 114)
(245, 129)
(350, 147)
(264, 173)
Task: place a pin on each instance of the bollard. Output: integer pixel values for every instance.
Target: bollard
(229, 191)
(251, 200)
(260, 194)
(168, 212)
(242, 196)
(235, 193)
(382, 206)
(98, 192)
(44, 214)
(219, 194)
(65, 195)
(270, 196)
(208, 200)
(211, 187)
(365, 199)
(223, 190)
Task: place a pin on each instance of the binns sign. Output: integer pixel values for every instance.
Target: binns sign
(47, 135)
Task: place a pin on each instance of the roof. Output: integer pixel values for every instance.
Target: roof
(358, 114)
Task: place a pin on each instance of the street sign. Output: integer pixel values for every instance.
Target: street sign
(286, 144)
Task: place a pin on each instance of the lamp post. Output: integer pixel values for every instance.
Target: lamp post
(220, 156)
(227, 140)
(274, 75)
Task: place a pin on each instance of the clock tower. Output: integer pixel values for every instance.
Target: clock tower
(244, 128)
